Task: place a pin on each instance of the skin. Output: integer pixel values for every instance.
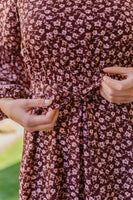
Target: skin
(118, 91)
(19, 110)
(114, 91)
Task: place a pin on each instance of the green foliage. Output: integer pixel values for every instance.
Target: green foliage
(9, 171)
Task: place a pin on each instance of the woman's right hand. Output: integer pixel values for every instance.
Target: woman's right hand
(19, 110)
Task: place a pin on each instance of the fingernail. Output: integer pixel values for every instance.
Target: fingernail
(47, 101)
(105, 78)
(107, 68)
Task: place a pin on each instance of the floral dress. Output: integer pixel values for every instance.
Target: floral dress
(58, 48)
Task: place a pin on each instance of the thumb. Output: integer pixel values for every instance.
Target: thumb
(38, 102)
(119, 70)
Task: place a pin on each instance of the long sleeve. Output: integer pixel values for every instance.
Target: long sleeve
(14, 79)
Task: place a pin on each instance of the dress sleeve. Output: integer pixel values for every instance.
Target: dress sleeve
(14, 79)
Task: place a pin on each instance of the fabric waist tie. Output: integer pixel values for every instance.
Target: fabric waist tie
(62, 95)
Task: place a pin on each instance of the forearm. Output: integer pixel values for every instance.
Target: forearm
(2, 104)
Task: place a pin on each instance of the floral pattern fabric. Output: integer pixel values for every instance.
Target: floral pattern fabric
(65, 46)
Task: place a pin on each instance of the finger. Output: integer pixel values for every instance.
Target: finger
(37, 102)
(36, 120)
(45, 127)
(104, 95)
(119, 70)
(115, 99)
(119, 84)
(112, 92)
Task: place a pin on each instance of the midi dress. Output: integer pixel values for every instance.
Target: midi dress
(57, 49)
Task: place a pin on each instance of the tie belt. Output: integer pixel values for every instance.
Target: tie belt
(62, 95)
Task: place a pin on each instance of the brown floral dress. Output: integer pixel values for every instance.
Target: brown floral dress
(65, 45)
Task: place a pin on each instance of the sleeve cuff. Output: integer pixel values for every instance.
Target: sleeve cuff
(12, 91)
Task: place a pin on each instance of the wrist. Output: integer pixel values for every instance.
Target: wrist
(4, 99)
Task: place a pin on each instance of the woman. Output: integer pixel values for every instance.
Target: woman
(78, 126)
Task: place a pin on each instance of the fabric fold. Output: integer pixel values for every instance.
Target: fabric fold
(14, 80)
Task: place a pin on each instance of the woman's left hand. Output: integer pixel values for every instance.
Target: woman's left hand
(118, 91)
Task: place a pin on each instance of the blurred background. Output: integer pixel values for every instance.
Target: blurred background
(11, 144)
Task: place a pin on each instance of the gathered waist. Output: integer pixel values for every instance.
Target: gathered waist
(63, 95)
(42, 89)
